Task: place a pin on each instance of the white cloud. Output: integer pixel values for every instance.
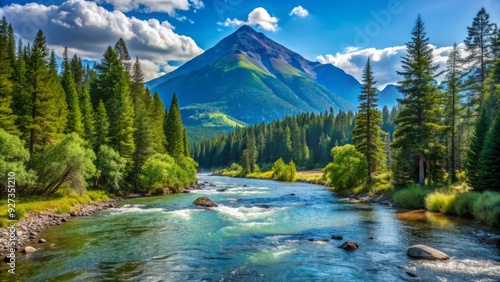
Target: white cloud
(385, 62)
(299, 11)
(87, 29)
(258, 17)
(149, 6)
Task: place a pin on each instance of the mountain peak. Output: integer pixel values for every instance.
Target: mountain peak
(246, 28)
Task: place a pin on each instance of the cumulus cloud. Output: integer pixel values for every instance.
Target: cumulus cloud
(87, 29)
(258, 17)
(385, 62)
(149, 6)
(299, 11)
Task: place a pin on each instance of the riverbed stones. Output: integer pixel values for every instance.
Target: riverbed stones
(349, 246)
(426, 252)
(29, 250)
(42, 241)
(204, 202)
(337, 237)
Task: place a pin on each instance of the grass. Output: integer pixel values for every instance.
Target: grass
(440, 202)
(464, 203)
(59, 203)
(260, 175)
(487, 208)
(311, 176)
(412, 197)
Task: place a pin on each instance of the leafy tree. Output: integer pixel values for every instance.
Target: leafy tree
(475, 149)
(417, 123)
(68, 162)
(284, 172)
(367, 133)
(13, 157)
(111, 168)
(348, 169)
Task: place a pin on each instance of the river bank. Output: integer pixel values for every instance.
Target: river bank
(28, 228)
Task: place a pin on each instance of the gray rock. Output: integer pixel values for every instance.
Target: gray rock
(337, 237)
(42, 241)
(426, 252)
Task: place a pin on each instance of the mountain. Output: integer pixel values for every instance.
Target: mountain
(387, 97)
(248, 78)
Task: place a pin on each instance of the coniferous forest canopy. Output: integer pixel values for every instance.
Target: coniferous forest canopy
(80, 127)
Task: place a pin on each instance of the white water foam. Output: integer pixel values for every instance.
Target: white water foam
(246, 214)
(466, 266)
(133, 209)
(184, 214)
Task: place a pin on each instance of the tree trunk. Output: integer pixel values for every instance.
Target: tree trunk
(421, 171)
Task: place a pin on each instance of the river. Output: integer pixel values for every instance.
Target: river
(169, 239)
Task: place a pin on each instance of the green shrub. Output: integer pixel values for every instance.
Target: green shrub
(440, 202)
(111, 168)
(348, 170)
(284, 172)
(13, 156)
(412, 197)
(464, 203)
(63, 209)
(98, 196)
(235, 170)
(487, 208)
(20, 211)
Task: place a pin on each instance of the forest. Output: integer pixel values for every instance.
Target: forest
(440, 147)
(72, 127)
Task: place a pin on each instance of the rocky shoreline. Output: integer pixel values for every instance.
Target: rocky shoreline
(27, 229)
(370, 198)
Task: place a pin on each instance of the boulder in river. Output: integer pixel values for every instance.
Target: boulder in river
(264, 206)
(29, 250)
(349, 246)
(204, 202)
(337, 237)
(426, 252)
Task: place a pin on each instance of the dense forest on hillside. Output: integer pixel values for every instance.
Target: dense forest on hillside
(73, 126)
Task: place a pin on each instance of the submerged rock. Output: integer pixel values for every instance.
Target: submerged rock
(337, 237)
(221, 190)
(319, 240)
(204, 202)
(264, 206)
(426, 252)
(349, 246)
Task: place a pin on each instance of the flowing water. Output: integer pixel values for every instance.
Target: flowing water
(169, 239)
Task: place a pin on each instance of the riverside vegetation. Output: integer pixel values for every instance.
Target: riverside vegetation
(78, 134)
(439, 149)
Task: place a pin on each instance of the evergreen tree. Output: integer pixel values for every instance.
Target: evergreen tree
(102, 126)
(475, 148)
(109, 74)
(453, 106)
(78, 74)
(144, 137)
(367, 133)
(478, 44)
(250, 153)
(489, 161)
(45, 108)
(75, 119)
(123, 54)
(158, 119)
(89, 122)
(174, 131)
(7, 116)
(417, 121)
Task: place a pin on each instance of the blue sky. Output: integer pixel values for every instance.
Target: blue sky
(165, 33)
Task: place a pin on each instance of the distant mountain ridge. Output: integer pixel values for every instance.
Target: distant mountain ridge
(249, 78)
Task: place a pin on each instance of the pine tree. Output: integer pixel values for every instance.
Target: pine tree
(367, 133)
(417, 121)
(89, 122)
(102, 126)
(250, 153)
(75, 119)
(453, 106)
(45, 107)
(7, 116)
(478, 46)
(144, 137)
(78, 74)
(475, 148)
(489, 161)
(123, 54)
(108, 76)
(174, 131)
(158, 119)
